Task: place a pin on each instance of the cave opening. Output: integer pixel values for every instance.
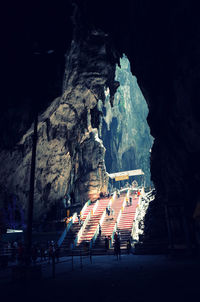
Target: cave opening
(125, 131)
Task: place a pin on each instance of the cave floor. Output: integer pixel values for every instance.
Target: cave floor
(133, 278)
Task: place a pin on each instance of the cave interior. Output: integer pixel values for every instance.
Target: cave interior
(161, 41)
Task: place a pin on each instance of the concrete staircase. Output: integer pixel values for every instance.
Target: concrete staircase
(108, 225)
(92, 224)
(124, 225)
(73, 231)
(126, 221)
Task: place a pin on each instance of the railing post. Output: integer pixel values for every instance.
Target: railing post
(81, 264)
(90, 255)
(72, 261)
(53, 265)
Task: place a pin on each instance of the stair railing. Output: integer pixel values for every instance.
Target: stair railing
(112, 198)
(94, 236)
(124, 202)
(113, 233)
(64, 233)
(74, 217)
(85, 206)
(119, 216)
(101, 220)
(136, 213)
(82, 228)
(133, 228)
(95, 207)
(104, 212)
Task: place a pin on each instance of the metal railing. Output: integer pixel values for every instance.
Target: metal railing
(94, 237)
(95, 207)
(85, 206)
(101, 221)
(119, 216)
(63, 235)
(51, 267)
(136, 213)
(82, 228)
(92, 211)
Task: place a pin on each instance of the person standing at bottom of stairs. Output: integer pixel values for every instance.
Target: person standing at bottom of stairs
(99, 229)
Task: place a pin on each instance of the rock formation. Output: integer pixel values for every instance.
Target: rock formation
(70, 156)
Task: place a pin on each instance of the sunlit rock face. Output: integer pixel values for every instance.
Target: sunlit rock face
(125, 132)
(70, 156)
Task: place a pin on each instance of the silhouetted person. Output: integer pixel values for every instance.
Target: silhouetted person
(101, 195)
(57, 252)
(112, 213)
(109, 241)
(117, 248)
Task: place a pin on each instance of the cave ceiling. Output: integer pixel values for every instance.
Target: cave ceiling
(161, 40)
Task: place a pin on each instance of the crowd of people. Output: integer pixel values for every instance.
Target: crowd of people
(116, 244)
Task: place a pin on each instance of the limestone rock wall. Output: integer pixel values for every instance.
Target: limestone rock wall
(70, 156)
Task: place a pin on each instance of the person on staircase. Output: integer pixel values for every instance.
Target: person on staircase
(119, 235)
(115, 236)
(79, 219)
(118, 193)
(112, 213)
(117, 249)
(109, 241)
(99, 230)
